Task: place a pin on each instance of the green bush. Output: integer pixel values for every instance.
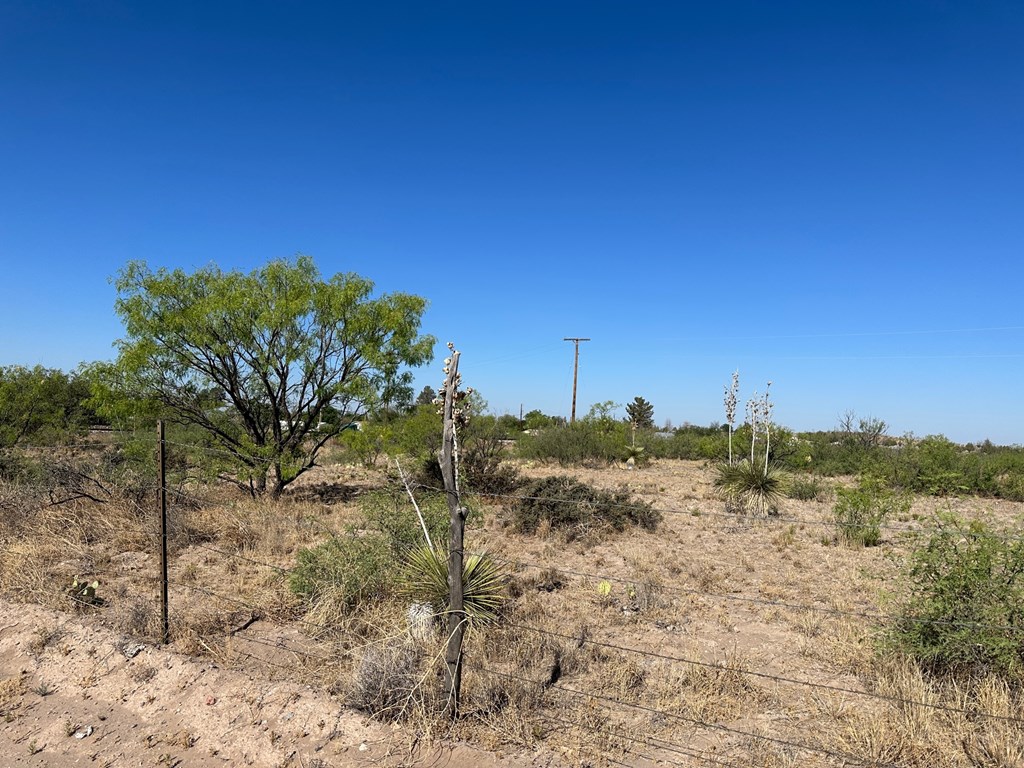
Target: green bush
(42, 405)
(352, 569)
(482, 470)
(690, 442)
(578, 443)
(964, 609)
(577, 509)
(368, 442)
(808, 488)
(933, 465)
(752, 488)
(389, 514)
(365, 563)
(860, 512)
(16, 467)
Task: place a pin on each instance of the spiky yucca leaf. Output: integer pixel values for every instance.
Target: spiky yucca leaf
(425, 577)
(752, 487)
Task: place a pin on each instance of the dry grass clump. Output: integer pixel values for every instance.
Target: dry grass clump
(391, 679)
(261, 528)
(45, 636)
(931, 721)
(505, 707)
(713, 691)
(11, 691)
(136, 615)
(50, 544)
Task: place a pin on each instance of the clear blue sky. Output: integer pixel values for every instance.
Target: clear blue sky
(826, 195)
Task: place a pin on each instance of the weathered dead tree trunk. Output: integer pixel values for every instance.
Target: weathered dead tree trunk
(449, 471)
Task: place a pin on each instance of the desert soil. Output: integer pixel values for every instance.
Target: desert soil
(775, 596)
(72, 693)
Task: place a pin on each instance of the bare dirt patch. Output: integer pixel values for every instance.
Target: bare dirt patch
(76, 694)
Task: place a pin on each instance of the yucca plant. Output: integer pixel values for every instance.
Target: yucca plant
(425, 578)
(751, 487)
(636, 453)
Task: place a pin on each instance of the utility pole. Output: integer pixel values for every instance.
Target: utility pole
(575, 373)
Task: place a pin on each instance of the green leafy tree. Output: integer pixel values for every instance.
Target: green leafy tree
(640, 413)
(601, 416)
(258, 360)
(41, 404)
(536, 419)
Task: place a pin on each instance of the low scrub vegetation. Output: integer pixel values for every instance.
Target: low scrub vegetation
(579, 443)
(965, 602)
(808, 488)
(577, 509)
(348, 570)
(860, 512)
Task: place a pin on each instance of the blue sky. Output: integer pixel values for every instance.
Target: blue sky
(825, 195)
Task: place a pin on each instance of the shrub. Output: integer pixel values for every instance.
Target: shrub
(753, 488)
(566, 504)
(365, 563)
(576, 444)
(390, 514)
(807, 488)
(368, 442)
(481, 470)
(15, 467)
(418, 434)
(859, 512)
(965, 603)
(349, 570)
(934, 465)
(484, 470)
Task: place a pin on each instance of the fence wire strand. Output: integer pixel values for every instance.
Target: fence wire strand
(646, 741)
(697, 722)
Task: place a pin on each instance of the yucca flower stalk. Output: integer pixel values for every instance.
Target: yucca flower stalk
(730, 407)
(753, 410)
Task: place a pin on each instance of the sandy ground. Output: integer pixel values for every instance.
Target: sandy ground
(74, 694)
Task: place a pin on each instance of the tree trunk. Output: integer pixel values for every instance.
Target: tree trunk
(457, 514)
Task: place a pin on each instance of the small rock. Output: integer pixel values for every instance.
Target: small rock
(211, 700)
(81, 734)
(131, 650)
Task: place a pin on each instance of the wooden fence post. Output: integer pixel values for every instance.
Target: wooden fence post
(457, 526)
(162, 503)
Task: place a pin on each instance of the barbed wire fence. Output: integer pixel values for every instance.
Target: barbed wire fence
(559, 714)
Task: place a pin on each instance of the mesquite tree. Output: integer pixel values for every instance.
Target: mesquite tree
(258, 359)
